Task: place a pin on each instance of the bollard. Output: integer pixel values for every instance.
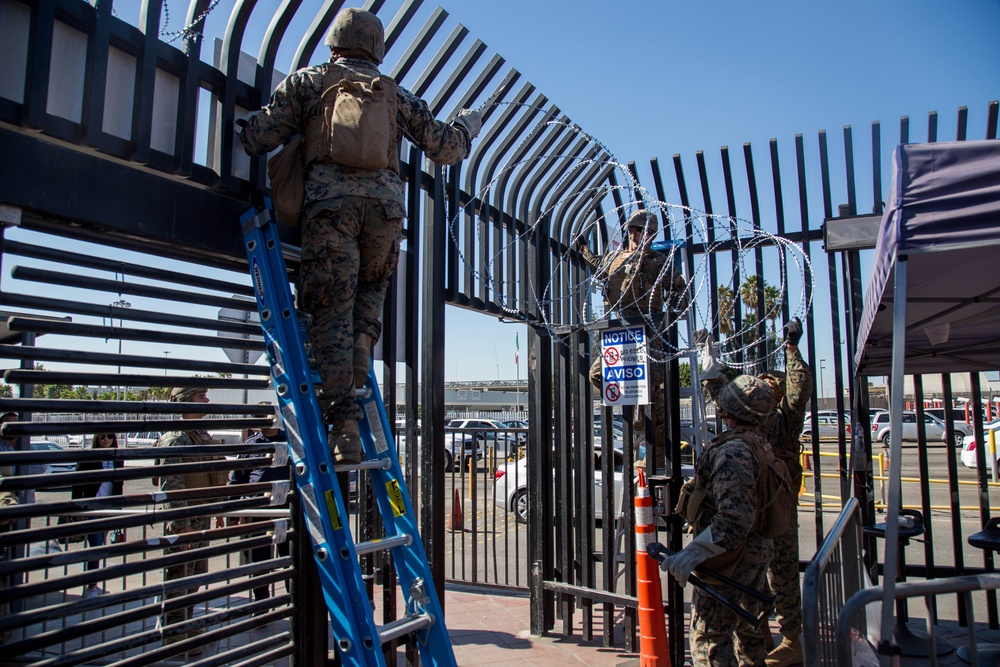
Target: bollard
(653, 649)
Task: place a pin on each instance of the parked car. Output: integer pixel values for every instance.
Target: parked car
(489, 432)
(960, 424)
(142, 438)
(49, 468)
(934, 428)
(969, 445)
(521, 436)
(510, 483)
(828, 421)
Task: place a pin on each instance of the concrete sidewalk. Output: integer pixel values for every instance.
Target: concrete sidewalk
(493, 629)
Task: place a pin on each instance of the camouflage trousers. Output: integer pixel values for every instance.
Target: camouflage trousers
(783, 574)
(182, 570)
(350, 247)
(718, 637)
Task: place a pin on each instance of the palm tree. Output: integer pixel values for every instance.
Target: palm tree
(727, 300)
(772, 304)
(748, 294)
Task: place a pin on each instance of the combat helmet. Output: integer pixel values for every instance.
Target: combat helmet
(185, 394)
(776, 380)
(747, 399)
(645, 219)
(356, 29)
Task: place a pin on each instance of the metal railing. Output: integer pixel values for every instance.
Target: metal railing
(846, 632)
(833, 576)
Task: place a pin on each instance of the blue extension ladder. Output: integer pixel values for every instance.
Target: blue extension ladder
(358, 639)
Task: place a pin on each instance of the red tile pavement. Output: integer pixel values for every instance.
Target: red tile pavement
(492, 628)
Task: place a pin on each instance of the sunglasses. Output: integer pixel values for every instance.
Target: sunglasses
(102, 436)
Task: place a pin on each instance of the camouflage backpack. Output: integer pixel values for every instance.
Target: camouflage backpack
(355, 127)
(776, 500)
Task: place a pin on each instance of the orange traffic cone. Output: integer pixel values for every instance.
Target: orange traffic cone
(653, 649)
(806, 463)
(457, 520)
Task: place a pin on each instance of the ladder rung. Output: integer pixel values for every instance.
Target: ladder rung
(374, 464)
(381, 545)
(404, 626)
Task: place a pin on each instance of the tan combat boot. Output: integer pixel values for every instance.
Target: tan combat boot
(345, 442)
(362, 359)
(788, 652)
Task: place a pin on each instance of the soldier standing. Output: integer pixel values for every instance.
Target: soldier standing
(352, 215)
(723, 518)
(637, 284)
(178, 482)
(792, 390)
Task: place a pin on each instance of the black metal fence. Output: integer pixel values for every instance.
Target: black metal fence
(104, 116)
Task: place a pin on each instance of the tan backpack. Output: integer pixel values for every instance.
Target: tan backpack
(776, 500)
(355, 127)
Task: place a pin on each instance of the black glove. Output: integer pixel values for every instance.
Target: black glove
(793, 331)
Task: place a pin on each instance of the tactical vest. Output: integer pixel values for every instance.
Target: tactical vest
(355, 125)
(775, 500)
(200, 478)
(626, 287)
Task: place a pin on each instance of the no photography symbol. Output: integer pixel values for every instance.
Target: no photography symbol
(611, 356)
(613, 392)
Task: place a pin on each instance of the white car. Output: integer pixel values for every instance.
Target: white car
(489, 433)
(969, 446)
(934, 428)
(49, 468)
(510, 484)
(141, 439)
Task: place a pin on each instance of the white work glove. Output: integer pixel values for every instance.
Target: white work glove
(709, 364)
(469, 120)
(683, 563)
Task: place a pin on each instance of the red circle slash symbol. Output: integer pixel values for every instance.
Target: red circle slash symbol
(611, 356)
(613, 392)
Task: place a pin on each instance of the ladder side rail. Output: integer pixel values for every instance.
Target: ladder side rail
(323, 505)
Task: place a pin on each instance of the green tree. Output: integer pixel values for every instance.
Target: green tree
(727, 301)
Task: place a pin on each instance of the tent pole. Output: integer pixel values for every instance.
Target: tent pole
(895, 464)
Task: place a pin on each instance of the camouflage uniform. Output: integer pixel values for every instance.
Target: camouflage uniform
(783, 431)
(729, 468)
(352, 223)
(637, 283)
(178, 482)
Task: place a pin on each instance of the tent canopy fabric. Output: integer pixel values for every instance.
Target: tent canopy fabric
(943, 219)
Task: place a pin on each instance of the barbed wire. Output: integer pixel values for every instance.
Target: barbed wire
(186, 30)
(542, 307)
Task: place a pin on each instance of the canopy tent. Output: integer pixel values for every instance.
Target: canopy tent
(933, 300)
(943, 220)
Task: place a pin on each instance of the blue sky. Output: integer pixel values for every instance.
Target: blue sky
(654, 78)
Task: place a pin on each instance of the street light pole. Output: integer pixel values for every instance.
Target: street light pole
(166, 355)
(822, 364)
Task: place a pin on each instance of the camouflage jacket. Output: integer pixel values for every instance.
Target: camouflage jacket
(729, 470)
(637, 283)
(191, 480)
(785, 425)
(297, 100)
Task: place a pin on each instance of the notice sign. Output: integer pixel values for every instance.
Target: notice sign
(624, 366)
